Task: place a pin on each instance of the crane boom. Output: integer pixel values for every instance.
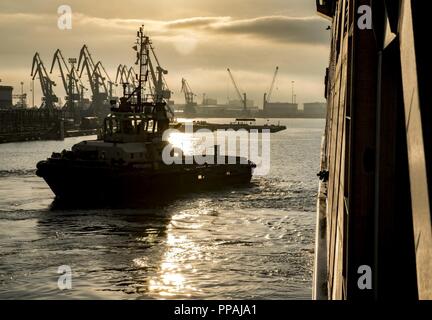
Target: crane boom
(72, 84)
(162, 90)
(58, 57)
(85, 54)
(38, 69)
(122, 73)
(272, 84)
(99, 72)
(235, 85)
(127, 78)
(189, 95)
(85, 63)
(97, 76)
(107, 77)
(243, 99)
(132, 76)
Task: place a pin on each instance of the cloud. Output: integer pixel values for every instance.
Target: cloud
(278, 29)
(282, 29)
(305, 30)
(195, 22)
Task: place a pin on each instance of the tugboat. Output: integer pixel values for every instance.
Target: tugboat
(125, 164)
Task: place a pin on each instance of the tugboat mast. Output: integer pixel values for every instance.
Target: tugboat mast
(143, 43)
(152, 106)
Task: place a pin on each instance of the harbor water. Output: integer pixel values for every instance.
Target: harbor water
(255, 242)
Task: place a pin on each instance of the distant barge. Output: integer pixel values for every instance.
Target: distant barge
(238, 124)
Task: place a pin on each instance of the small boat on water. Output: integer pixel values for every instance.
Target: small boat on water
(126, 164)
(248, 124)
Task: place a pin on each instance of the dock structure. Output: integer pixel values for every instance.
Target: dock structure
(374, 232)
(31, 124)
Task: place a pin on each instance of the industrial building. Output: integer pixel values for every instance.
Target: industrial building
(280, 110)
(239, 103)
(210, 101)
(5, 97)
(314, 110)
(224, 111)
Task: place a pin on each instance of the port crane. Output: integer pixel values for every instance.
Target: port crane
(241, 97)
(86, 63)
(189, 97)
(72, 84)
(95, 72)
(127, 77)
(160, 91)
(132, 77)
(160, 88)
(121, 71)
(49, 99)
(101, 73)
(267, 97)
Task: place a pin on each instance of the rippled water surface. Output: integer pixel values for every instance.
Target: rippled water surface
(243, 243)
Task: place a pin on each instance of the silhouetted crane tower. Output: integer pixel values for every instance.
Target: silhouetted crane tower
(72, 84)
(189, 97)
(267, 97)
(97, 76)
(241, 97)
(49, 99)
(127, 77)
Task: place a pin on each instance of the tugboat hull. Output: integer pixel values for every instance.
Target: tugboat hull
(76, 182)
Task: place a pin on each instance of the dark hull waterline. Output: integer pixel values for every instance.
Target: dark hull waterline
(76, 184)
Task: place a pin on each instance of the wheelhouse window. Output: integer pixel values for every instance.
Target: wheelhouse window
(128, 126)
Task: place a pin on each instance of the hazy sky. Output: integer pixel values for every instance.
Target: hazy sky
(194, 39)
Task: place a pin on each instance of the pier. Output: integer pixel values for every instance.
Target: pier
(31, 124)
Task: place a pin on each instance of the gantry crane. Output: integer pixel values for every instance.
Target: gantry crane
(267, 97)
(72, 84)
(49, 99)
(241, 97)
(189, 97)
